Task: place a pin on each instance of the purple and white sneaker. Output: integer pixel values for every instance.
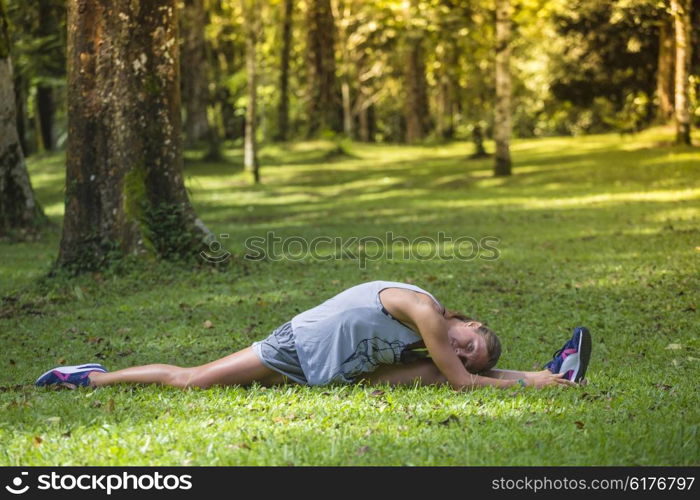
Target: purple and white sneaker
(572, 359)
(77, 375)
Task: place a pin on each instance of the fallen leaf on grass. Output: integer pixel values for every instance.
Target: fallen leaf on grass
(579, 424)
(243, 446)
(37, 441)
(363, 449)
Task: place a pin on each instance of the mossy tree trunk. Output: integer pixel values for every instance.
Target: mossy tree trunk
(502, 122)
(125, 192)
(19, 210)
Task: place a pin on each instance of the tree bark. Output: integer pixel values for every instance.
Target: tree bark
(250, 153)
(363, 119)
(681, 16)
(416, 109)
(502, 122)
(664, 75)
(195, 68)
(125, 192)
(324, 105)
(283, 104)
(45, 93)
(343, 13)
(19, 209)
(45, 108)
(21, 109)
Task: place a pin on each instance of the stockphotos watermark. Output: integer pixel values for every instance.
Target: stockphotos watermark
(107, 483)
(363, 249)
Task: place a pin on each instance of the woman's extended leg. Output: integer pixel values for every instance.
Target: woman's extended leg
(423, 372)
(240, 368)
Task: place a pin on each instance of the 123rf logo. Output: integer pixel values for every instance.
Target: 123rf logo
(102, 482)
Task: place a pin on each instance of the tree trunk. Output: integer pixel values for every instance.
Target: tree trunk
(363, 120)
(664, 75)
(416, 109)
(324, 108)
(21, 108)
(343, 13)
(283, 105)
(250, 153)
(45, 107)
(502, 123)
(125, 192)
(19, 210)
(478, 139)
(681, 16)
(447, 96)
(194, 64)
(45, 110)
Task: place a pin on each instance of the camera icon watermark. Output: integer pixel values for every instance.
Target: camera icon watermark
(215, 252)
(16, 488)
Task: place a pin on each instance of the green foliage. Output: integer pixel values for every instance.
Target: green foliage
(94, 253)
(611, 54)
(169, 231)
(592, 231)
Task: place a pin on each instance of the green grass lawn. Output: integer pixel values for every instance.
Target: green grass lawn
(601, 231)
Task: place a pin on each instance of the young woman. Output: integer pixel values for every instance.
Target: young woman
(376, 332)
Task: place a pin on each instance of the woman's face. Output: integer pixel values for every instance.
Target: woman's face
(468, 344)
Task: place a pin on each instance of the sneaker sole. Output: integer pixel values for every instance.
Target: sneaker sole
(584, 352)
(73, 369)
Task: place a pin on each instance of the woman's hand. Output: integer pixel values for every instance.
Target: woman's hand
(546, 378)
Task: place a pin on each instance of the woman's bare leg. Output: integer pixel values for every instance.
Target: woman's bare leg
(240, 368)
(423, 372)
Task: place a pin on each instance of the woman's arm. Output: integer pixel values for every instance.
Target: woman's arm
(419, 310)
(433, 328)
(509, 374)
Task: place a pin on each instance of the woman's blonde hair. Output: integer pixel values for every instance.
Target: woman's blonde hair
(493, 344)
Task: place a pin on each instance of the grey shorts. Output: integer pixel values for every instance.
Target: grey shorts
(279, 353)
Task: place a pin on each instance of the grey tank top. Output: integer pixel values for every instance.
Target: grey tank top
(349, 334)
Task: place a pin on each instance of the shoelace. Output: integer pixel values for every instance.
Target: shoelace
(559, 351)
